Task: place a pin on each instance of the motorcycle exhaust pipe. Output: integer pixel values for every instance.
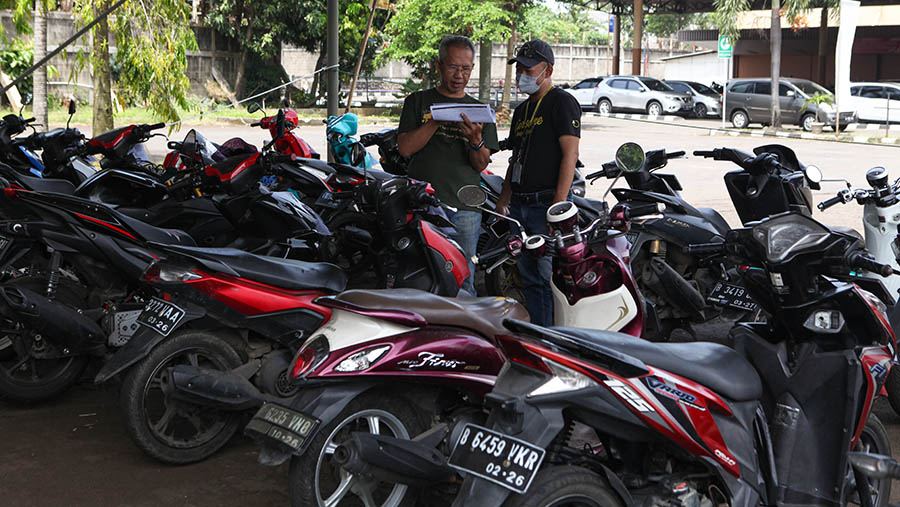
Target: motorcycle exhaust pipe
(221, 389)
(394, 460)
(69, 332)
(680, 292)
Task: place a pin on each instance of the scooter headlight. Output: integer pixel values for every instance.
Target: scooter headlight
(363, 359)
(564, 379)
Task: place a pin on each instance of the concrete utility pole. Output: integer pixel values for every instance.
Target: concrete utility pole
(617, 43)
(638, 37)
(332, 60)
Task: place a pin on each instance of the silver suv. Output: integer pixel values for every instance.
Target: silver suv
(640, 93)
(749, 101)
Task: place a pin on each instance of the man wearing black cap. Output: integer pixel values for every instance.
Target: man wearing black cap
(544, 133)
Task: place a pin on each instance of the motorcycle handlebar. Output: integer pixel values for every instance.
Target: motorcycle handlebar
(638, 210)
(595, 175)
(186, 182)
(156, 126)
(830, 202)
(675, 154)
(256, 124)
(859, 259)
(489, 255)
(28, 120)
(705, 153)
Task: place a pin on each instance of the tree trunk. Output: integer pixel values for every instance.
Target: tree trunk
(509, 76)
(775, 50)
(242, 67)
(39, 104)
(484, 70)
(822, 50)
(103, 113)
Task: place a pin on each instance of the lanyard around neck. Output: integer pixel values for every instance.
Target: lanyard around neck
(540, 99)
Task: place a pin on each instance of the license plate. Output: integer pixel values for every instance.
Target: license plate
(495, 457)
(281, 425)
(729, 294)
(161, 316)
(327, 200)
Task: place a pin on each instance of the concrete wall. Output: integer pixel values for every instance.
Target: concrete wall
(573, 63)
(60, 26)
(700, 68)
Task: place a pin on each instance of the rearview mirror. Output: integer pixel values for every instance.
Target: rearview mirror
(72, 107)
(813, 174)
(253, 107)
(630, 157)
(472, 195)
(358, 155)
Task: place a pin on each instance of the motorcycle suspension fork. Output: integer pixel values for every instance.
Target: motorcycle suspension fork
(53, 278)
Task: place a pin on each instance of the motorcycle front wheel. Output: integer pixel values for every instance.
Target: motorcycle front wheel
(873, 440)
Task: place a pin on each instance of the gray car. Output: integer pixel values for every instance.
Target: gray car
(707, 102)
(748, 101)
(642, 94)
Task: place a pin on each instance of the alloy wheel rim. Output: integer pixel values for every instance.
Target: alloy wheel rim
(376, 421)
(162, 429)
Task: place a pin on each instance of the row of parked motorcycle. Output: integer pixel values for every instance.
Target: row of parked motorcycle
(214, 287)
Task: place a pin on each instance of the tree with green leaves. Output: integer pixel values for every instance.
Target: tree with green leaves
(152, 38)
(727, 12)
(416, 29)
(260, 27)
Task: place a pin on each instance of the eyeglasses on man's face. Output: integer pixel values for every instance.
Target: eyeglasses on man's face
(459, 69)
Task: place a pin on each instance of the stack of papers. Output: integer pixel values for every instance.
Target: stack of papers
(476, 113)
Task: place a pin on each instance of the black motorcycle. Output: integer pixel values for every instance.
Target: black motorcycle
(682, 288)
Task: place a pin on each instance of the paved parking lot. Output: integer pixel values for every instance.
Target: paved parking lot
(74, 450)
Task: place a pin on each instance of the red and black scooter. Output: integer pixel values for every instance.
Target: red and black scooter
(387, 362)
(600, 419)
(243, 317)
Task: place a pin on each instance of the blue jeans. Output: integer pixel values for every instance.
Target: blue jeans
(468, 228)
(536, 273)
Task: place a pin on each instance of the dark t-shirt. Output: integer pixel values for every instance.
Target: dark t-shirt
(558, 114)
(444, 160)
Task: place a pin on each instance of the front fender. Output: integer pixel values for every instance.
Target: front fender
(142, 342)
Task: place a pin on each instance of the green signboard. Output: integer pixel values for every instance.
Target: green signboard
(726, 50)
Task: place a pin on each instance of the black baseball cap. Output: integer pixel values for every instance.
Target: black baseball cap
(532, 53)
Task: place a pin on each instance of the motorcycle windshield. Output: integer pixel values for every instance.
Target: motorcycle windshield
(139, 152)
(195, 143)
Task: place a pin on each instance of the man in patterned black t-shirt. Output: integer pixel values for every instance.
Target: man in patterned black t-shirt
(545, 132)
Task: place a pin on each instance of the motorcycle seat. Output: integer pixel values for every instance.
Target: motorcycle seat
(715, 218)
(282, 273)
(57, 185)
(482, 315)
(155, 234)
(716, 367)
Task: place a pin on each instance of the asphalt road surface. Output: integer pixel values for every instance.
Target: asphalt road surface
(74, 450)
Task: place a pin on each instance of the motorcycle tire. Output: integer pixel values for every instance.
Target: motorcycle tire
(892, 385)
(48, 377)
(142, 397)
(874, 440)
(564, 485)
(313, 481)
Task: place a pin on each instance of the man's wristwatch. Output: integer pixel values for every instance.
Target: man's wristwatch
(477, 147)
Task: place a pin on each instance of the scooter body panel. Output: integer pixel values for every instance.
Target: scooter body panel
(882, 226)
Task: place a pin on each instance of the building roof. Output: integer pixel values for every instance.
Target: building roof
(689, 55)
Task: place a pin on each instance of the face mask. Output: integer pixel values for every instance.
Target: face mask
(529, 84)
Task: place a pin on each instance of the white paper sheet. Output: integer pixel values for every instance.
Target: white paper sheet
(476, 113)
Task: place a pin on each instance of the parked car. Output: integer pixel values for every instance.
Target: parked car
(584, 91)
(748, 101)
(707, 102)
(640, 93)
(874, 102)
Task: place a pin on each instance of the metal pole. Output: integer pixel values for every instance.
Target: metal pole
(362, 52)
(332, 58)
(725, 92)
(617, 44)
(638, 37)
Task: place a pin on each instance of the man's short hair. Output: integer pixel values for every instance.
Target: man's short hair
(459, 41)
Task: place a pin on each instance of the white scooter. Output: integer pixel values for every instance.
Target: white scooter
(881, 226)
